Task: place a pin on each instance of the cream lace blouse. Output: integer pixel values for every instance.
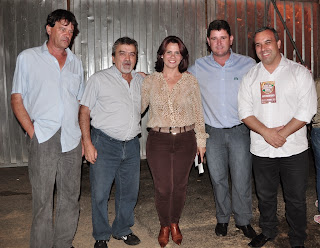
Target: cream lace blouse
(176, 108)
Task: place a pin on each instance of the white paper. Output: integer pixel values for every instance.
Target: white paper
(200, 166)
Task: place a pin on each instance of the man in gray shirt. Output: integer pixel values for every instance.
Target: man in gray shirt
(112, 100)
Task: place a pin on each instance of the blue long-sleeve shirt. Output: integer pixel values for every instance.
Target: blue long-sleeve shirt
(219, 86)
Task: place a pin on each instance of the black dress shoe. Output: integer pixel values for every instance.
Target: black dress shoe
(247, 230)
(299, 246)
(221, 229)
(101, 244)
(129, 239)
(259, 240)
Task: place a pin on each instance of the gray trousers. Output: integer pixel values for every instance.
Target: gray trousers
(49, 166)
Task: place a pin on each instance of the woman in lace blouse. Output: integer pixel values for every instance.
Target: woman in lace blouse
(177, 132)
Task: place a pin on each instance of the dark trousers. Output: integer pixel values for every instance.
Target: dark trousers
(48, 166)
(170, 158)
(292, 172)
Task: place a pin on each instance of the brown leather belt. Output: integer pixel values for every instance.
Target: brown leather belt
(173, 130)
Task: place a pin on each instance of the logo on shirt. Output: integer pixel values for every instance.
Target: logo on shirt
(268, 92)
(235, 78)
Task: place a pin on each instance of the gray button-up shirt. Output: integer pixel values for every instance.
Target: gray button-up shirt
(115, 107)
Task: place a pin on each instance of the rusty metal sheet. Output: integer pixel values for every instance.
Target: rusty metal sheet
(101, 22)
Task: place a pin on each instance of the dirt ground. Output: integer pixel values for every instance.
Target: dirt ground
(197, 222)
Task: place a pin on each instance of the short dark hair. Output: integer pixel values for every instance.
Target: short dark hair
(124, 41)
(276, 35)
(62, 14)
(183, 66)
(218, 25)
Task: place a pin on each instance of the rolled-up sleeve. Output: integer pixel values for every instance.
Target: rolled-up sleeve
(245, 100)
(19, 84)
(307, 96)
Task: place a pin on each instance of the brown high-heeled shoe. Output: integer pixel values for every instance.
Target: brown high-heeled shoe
(176, 233)
(163, 237)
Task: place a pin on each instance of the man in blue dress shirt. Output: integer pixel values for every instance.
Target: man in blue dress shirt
(47, 87)
(219, 75)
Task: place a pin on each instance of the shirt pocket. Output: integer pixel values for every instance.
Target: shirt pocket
(72, 83)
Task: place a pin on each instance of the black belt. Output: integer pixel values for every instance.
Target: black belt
(233, 126)
(173, 130)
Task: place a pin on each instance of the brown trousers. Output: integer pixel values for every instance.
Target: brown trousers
(170, 158)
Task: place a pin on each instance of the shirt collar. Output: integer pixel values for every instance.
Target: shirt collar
(44, 48)
(283, 61)
(228, 62)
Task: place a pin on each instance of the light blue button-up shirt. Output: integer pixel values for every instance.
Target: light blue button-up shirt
(219, 86)
(50, 95)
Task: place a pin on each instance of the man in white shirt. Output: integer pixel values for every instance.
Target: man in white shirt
(277, 98)
(112, 99)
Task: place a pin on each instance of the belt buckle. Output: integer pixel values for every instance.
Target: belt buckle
(170, 131)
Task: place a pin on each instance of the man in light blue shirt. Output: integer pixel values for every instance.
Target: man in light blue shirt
(228, 146)
(47, 87)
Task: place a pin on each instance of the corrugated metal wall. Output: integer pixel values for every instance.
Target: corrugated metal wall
(246, 16)
(148, 22)
(21, 26)
(101, 22)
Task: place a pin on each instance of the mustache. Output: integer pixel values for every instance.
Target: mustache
(126, 63)
(66, 39)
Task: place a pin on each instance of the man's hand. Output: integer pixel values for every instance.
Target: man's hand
(142, 73)
(273, 138)
(270, 135)
(90, 153)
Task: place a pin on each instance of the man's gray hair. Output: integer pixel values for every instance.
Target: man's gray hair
(124, 41)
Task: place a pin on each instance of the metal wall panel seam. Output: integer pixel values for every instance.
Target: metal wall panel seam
(236, 25)
(302, 32)
(294, 30)
(97, 34)
(91, 38)
(84, 37)
(246, 28)
(284, 31)
(14, 134)
(104, 35)
(4, 119)
(311, 37)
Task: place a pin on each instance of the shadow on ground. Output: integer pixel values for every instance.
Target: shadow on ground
(197, 221)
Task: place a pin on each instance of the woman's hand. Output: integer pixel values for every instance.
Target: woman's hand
(201, 151)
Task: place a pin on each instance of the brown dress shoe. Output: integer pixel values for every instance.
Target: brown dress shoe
(163, 237)
(176, 233)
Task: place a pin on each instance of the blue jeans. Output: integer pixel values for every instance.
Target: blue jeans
(315, 140)
(117, 161)
(48, 166)
(229, 149)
